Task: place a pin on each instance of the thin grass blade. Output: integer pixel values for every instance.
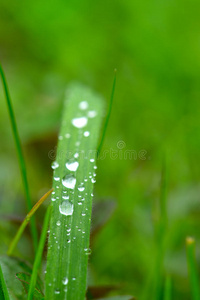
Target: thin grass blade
(192, 268)
(20, 156)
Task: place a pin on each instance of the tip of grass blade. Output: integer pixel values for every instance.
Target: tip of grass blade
(108, 114)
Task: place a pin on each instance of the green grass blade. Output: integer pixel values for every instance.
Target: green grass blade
(74, 177)
(25, 222)
(38, 258)
(108, 114)
(192, 268)
(20, 156)
(3, 287)
(168, 289)
(161, 228)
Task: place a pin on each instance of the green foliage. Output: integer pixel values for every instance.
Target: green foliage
(74, 177)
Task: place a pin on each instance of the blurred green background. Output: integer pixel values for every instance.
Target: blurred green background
(155, 46)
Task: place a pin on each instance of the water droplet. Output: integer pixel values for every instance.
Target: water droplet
(92, 113)
(56, 178)
(83, 105)
(72, 165)
(57, 292)
(67, 135)
(65, 281)
(54, 165)
(53, 199)
(95, 167)
(81, 188)
(83, 214)
(60, 137)
(74, 278)
(58, 223)
(92, 159)
(76, 155)
(80, 203)
(80, 122)
(77, 144)
(65, 197)
(86, 133)
(66, 208)
(87, 251)
(93, 180)
(69, 181)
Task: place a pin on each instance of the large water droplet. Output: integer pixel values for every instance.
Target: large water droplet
(66, 208)
(54, 165)
(72, 165)
(83, 105)
(69, 181)
(80, 122)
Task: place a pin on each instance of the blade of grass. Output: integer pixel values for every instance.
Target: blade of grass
(25, 222)
(168, 289)
(161, 227)
(20, 156)
(38, 257)
(74, 177)
(192, 268)
(3, 286)
(108, 114)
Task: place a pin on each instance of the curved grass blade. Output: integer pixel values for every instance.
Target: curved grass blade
(25, 222)
(38, 258)
(20, 156)
(192, 268)
(108, 114)
(74, 177)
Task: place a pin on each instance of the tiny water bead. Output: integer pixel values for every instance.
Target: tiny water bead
(86, 133)
(69, 181)
(67, 135)
(81, 188)
(92, 160)
(79, 122)
(76, 155)
(92, 114)
(57, 292)
(58, 223)
(66, 208)
(87, 251)
(54, 165)
(65, 197)
(83, 105)
(65, 281)
(56, 178)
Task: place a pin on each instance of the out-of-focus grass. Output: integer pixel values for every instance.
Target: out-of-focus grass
(154, 46)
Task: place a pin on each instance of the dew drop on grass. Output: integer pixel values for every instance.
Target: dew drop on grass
(92, 114)
(92, 160)
(54, 165)
(83, 105)
(57, 292)
(65, 281)
(69, 181)
(56, 178)
(58, 223)
(76, 155)
(86, 133)
(72, 165)
(79, 122)
(93, 180)
(53, 199)
(87, 251)
(66, 208)
(81, 188)
(67, 135)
